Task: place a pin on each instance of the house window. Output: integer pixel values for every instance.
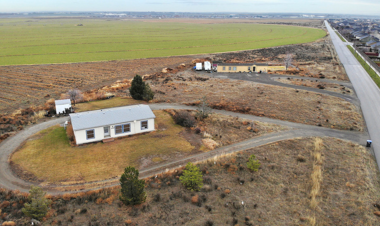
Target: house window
(229, 68)
(224, 68)
(144, 125)
(90, 134)
(118, 129)
(126, 128)
(234, 68)
(249, 68)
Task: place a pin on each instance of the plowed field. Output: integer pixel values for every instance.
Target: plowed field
(21, 86)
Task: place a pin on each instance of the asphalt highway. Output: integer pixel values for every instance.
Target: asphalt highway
(365, 88)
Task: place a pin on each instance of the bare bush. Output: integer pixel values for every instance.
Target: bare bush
(75, 95)
(288, 60)
(184, 118)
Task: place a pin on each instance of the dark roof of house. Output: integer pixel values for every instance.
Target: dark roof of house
(110, 116)
(242, 64)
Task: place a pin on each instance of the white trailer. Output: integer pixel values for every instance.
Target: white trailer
(198, 66)
(207, 66)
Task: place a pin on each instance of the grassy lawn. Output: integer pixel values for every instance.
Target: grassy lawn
(341, 38)
(109, 103)
(369, 70)
(49, 156)
(61, 41)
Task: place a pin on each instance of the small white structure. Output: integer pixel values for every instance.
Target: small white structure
(92, 126)
(198, 66)
(61, 105)
(207, 66)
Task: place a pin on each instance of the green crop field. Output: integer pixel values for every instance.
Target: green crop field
(41, 41)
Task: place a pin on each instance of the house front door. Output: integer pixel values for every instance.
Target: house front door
(106, 131)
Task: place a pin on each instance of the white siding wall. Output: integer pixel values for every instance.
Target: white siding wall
(81, 137)
(61, 108)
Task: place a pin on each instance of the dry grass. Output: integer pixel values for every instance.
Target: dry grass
(262, 100)
(278, 194)
(316, 175)
(101, 104)
(318, 84)
(77, 163)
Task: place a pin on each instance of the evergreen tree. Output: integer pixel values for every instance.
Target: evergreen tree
(148, 94)
(38, 205)
(192, 177)
(132, 189)
(137, 88)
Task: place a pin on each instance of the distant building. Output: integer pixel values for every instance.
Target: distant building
(62, 105)
(248, 67)
(92, 126)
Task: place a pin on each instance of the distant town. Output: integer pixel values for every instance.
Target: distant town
(363, 33)
(165, 15)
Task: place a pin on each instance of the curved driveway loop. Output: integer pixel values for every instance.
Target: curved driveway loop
(296, 130)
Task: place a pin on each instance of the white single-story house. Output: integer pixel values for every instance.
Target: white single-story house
(92, 126)
(61, 105)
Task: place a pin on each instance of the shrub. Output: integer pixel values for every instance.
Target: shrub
(195, 199)
(132, 189)
(184, 118)
(38, 205)
(192, 177)
(209, 223)
(157, 197)
(70, 132)
(253, 164)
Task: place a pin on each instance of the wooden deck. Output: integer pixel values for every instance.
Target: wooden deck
(108, 140)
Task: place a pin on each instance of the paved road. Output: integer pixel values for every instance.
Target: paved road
(10, 181)
(365, 88)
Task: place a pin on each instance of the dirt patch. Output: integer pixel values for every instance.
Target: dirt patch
(192, 138)
(316, 60)
(278, 194)
(261, 100)
(317, 84)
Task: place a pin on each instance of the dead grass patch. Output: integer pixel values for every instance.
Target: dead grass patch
(53, 159)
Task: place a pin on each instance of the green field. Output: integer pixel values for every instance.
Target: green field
(40, 41)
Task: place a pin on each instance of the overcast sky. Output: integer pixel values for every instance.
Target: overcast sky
(366, 7)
